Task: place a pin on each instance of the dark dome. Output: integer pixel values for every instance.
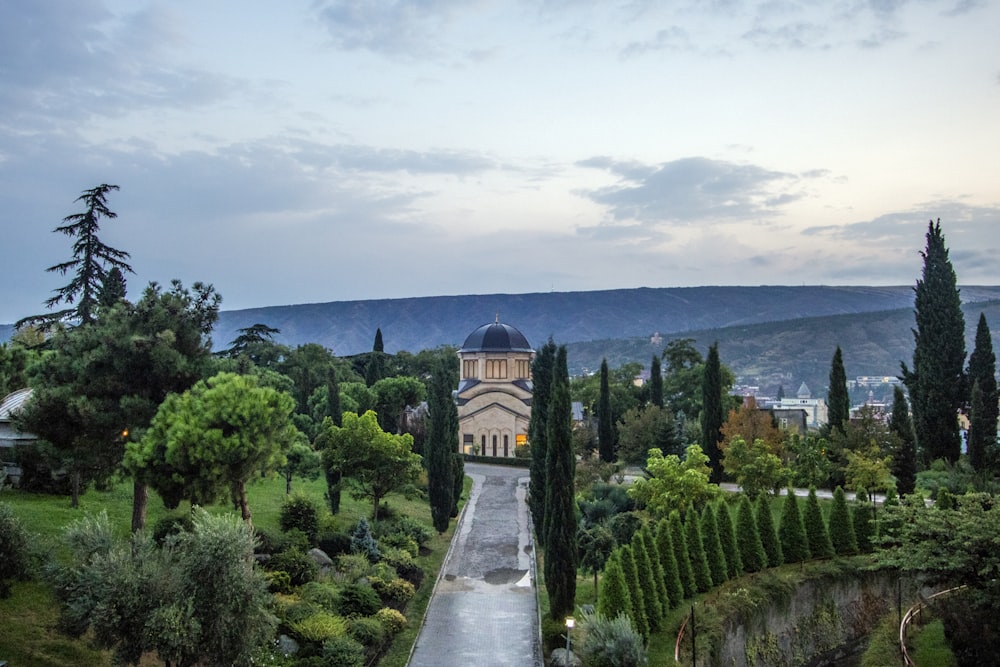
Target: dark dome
(496, 337)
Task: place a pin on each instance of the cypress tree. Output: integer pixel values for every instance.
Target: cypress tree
(458, 481)
(936, 382)
(904, 457)
(560, 507)
(656, 563)
(679, 543)
(671, 577)
(768, 535)
(748, 538)
(614, 598)
(652, 604)
(845, 543)
(711, 414)
(791, 532)
(838, 400)
(375, 370)
(983, 409)
(333, 409)
(696, 552)
(655, 383)
(862, 520)
(817, 536)
(717, 565)
(442, 441)
(605, 427)
(635, 590)
(541, 378)
(727, 538)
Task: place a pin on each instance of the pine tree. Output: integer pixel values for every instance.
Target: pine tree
(748, 538)
(768, 536)
(712, 415)
(862, 519)
(696, 552)
(668, 559)
(936, 382)
(635, 590)
(113, 289)
(605, 425)
(791, 532)
(679, 543)
(614, 598)
(442, 441)
(560, 507)
(541, 377)
(656, 563)
(655, 383)
(845, 543)
(983, 408)
(652, 604)
(904, 457)
(717, 565)
(727, 539)
(838, 400)
(817, 536)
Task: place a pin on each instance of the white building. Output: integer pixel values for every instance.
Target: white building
(815, 408)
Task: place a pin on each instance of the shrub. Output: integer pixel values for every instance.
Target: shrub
(15, 560)
(293, 539)
(352, 567)
(404, 565)
(278, 581)
(394, 593)
(363, 542)
(171, 524)
(299, 512)
(404, 525)
(343, 652)
(301, 568)
(266, 542)
(318, 628)
(400, 541)
(334, 543)
(366, 630)
(358, 600)
(324, 595)
(611, 642)
(391, 620)
(300, 610)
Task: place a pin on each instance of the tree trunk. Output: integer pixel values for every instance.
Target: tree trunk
(244, 506)
(75, 483)
(375, 509)
(288, 483)
(140, 498)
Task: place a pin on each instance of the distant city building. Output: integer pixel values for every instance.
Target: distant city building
(814, 408)
(873, 381)
(494, 391)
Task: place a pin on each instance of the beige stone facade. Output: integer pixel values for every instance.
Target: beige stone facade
(494, 392)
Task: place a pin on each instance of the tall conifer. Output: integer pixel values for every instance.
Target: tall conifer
(748, 538)
(713, 545)
(442, 441)
(727, 539)
(983, 408)
(652, 603)
(655, 383)
(614, 598)
(671, 577)
(936, 381)
(845, 543)
(696, 552)
(862, 518)
(768, 535)
(817, 535)
(656, 563)
(605, 425)
(838, 400)
(679, 543)
(791, 532)
(904, 457)
(712, 415)
(541, 378)
(635, 590)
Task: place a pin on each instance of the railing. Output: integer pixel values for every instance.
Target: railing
(913, 614)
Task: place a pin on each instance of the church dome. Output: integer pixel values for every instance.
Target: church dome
(496, 337)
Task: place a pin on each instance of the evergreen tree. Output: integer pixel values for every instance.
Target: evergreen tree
(375, 370)
(635, 590)
(113, 289)
(541, 381)
(333, 409)
(937, 382)
(904, 457)
(712, 416)
(605, 422)
(458, 481)
(838, 400)
(817, 536)
(768, 536)
(696, 552)
(442, 441)
(655, 383)
(656, 563)
(982, 447)
(560, 507)
(652, 604)
(863, 521)
(748, 538)
(845, 543)
(717, 565)
(679, 543)
(668, 559)
(727, 539)
(791, 532)
(615, 598)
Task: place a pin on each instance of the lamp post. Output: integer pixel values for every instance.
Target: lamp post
(570, 622)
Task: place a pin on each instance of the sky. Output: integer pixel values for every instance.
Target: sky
(318, 150)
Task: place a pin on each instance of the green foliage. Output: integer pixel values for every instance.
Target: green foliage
(727, 541)
(655, 383)
(342, 651)
(713, 546)
(611, 641)
(863, 521)
(817, 535)
(754, 466)
(842, 536)
(15, 552)
(358, 600)
(643, 429)
(301, 460)
(442, 441)
(391, 620)
(674, 484)
(614, 598)
(838, 400)
(651, 599)
(752, 554)
(668, 560)
(810, 464)
(983, 408)
(318, 628)
(656, 568)
(300, 512)
(364, 543)
(366, 630)
(681, 554)
(541, 372)
(605, 422)
(299, 566)
(624, 525)
(712, 413)
(904, 455)
(791, 532)
(171, 524)
(696, 552)
(637, 592)
(768, 535)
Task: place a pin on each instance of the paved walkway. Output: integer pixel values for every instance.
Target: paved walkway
(483, 609)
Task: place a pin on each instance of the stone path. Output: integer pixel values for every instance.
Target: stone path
(483, 610)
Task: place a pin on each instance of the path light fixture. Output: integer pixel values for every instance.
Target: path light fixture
(570, 623)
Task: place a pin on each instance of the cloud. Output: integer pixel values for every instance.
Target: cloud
(691, 190)
(394, 27)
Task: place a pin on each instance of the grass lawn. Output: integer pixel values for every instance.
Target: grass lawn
(28, 637)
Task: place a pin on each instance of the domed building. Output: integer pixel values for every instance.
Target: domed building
(494, 392)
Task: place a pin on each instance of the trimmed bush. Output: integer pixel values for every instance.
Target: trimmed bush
(404, 525)
(278, 582)
(15, 558)
(404, 565)
(395, 593)
(681, 556)
(713, 546)
(358, 600)
(299, 512)
(318, 628)
(845, 543)
(400, 541)
(727, 540)
(791, 532)
(862, 520)
(635, 590)
(343, 652)
(611, 642)
(171, 524)
(647, 576)
(671, 578)
(696, 551)
(656, 562)
(768, 535)
(391, 620)
(366, 630)
(300, 566)
(334, 543)
(748, 542)
(817, 536)
(352, 567)
(319, 593)
(614, 597)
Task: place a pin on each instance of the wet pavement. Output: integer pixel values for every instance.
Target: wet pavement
(483, 610)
